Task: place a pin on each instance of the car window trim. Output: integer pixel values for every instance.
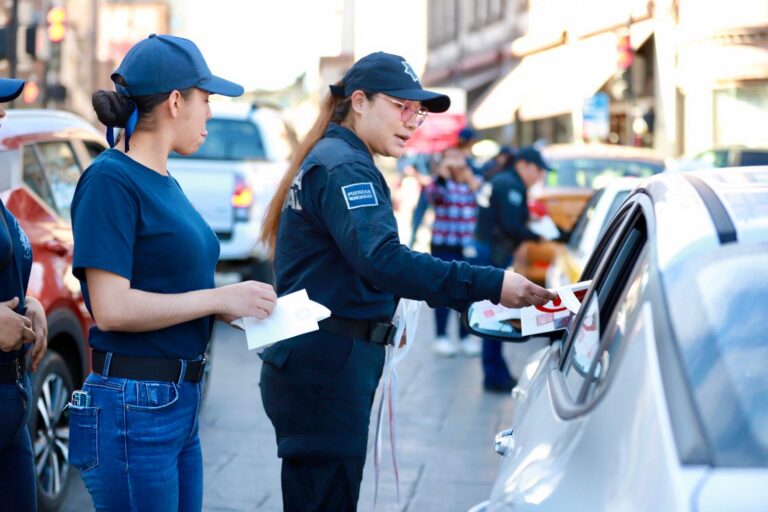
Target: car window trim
(565, 406)
(39, 160)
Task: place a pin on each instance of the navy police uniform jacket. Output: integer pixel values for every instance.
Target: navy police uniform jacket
(338, 239)
(502, 217)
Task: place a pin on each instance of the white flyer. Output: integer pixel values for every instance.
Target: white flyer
(555, 314)
(294, 314)
(544, 227)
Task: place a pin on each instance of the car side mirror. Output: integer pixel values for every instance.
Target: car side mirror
(503, 330)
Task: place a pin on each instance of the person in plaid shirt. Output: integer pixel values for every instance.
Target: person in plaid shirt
(452, 194)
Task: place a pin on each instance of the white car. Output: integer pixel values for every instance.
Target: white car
(233, 176)
(570, 258)
(656, 397)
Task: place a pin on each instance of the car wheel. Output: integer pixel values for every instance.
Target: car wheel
(49, 429)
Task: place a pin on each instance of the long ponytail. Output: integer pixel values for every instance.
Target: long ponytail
(334, 109)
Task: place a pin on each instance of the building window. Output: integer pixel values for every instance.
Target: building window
(485, 12)
(443, 22)
(738, 111)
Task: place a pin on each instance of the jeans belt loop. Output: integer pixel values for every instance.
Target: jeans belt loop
(107, 361)
(182, 373)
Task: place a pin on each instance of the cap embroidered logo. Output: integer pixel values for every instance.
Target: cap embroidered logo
(410, 72)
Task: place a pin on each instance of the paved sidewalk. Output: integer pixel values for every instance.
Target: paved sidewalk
(446, 426)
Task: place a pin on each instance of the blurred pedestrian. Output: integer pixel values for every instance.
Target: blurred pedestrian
(23, 328)
(333, 233)
(452, 195)
(417, 167)
(502, 225)
(503, 159)
(145, 260)
(467, 138)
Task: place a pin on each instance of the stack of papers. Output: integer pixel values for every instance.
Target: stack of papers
(294, 314)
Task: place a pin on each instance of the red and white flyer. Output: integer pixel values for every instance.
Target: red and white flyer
(555, 314)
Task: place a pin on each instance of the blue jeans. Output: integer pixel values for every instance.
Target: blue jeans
(137, 444)
(447, 253)
(495, 371)
(17, 483)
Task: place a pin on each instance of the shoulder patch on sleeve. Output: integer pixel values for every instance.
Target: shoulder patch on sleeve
(359, 195)
(515, 197)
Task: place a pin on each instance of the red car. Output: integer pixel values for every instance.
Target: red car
(42, 154)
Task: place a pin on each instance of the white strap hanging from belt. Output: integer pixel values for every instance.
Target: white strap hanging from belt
(406, 318)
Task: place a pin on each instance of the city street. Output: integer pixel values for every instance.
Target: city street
(446, 427)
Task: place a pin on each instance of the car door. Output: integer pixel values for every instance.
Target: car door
(579, 413)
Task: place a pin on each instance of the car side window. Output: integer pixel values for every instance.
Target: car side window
(93, 150)
(62, 170)
(585, 358)
(34, 177)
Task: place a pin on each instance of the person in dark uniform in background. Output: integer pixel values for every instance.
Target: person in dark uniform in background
(22, 325)
(145, 259)
(333, 233)
(502, 225)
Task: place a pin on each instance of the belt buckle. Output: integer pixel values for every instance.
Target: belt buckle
(383, 333)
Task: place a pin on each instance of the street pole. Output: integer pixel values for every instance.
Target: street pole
(14, 27)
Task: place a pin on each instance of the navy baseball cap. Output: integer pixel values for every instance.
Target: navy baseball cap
(10, 88)
(163, 63)
(392, 75)
(532, 155)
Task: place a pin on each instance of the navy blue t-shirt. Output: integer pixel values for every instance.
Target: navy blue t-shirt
(338, 239)
(14, 275)
(138, 224)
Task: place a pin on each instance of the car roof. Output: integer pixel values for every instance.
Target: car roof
(27, 125)
(241, 110)
(701, 210)
(594, 150)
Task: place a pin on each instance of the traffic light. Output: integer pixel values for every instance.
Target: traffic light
(625, 53)
(57, 24)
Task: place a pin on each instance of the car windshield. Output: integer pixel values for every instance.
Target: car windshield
(230, 139)
(718, 303)
(598, 172)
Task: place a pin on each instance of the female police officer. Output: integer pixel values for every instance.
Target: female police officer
(333, 232)
(145, 259)
(22, 321)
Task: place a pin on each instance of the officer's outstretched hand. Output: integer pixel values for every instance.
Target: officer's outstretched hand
(249, 298)
(518, 292)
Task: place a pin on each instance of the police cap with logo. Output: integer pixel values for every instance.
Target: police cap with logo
(392, 75)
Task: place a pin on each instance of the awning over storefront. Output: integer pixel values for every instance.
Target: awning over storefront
(554, 81)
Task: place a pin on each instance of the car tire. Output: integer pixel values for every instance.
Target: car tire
(49, 430)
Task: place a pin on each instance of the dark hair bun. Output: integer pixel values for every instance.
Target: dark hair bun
(111, 108)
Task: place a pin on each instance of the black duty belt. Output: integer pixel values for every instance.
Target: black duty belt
(147, 368)
(372, 331)
(12, 371)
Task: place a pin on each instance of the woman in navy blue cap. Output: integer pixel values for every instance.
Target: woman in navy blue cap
(333, 233)
(145, 260)
(22, 325)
